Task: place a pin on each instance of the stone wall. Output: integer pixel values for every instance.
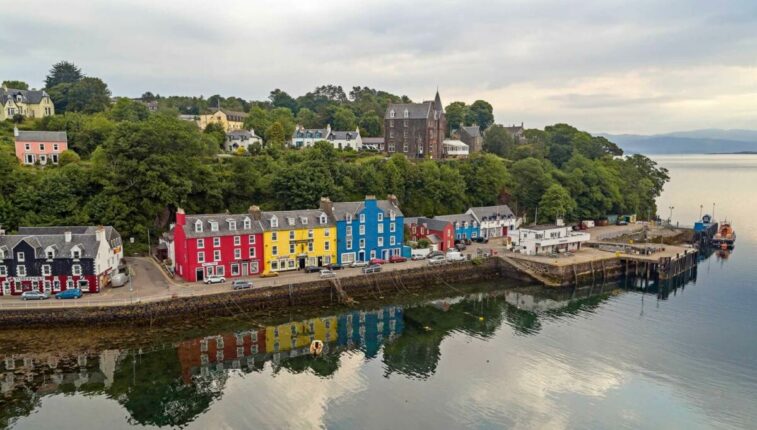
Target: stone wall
(316, 293)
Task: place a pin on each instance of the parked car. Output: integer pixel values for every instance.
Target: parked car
(397, 259)
(435, 254)
(312, 269)
(358, 263)
(420, 254)
(373, 268)
(334, 267)
(34, 295)
(454, 256)
(436, 260)
(73, 293)
(119, 280)
(269, 274)
(378, 261)
(460, 246)
(215, 279)
(326, 273)
(481, 240)
(241, 285)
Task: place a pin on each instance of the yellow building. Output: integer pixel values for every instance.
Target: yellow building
(29, 103)
(297, 239)
(300, 334)
(230, 120)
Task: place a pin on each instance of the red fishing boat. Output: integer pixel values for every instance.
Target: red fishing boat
(726, 235)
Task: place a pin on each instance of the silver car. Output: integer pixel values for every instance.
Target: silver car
(358, 263)
(328, 274)
(34, 295)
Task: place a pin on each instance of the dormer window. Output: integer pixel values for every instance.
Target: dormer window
(213, 225)
(274, 222)
(391, 113)
(380, 216)
(406, 113)
(362, 218)
(76, 253)
(348, 218)
(232, 224)
(323, 219)
(198, 226)
(392, 215)
(50, 253)
(247, 224)
(290, 220)
(304, 220)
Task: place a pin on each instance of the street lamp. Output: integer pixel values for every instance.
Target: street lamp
(700, 211)
(670, 219)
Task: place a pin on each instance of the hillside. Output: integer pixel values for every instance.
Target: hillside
(688, 142)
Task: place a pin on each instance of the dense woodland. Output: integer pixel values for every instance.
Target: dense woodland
(131, 168)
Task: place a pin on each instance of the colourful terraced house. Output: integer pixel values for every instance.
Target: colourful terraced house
(367, 229)
(297, 239)
(466, 226)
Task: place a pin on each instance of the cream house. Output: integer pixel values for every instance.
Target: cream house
(230, 120)
(28, 103)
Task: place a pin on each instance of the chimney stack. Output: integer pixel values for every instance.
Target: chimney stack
(393, 199)
(2, 232)
(327, 206)
(15, 131)
(257, 215)
(67, 236)
(181, 217)
(100, 233)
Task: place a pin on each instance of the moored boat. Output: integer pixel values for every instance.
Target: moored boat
(726, 235)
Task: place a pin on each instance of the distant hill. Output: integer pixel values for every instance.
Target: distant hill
(706, 141)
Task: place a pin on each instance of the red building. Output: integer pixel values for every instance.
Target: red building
(219, 244)
(439, 233)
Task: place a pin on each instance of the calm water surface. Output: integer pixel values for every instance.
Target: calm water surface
(472, 357)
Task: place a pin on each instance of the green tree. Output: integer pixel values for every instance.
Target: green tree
(530, 182)
(307, 118)
(129, 110)
(281, 99)
(344, 120)
(17, 85)
(498, 141)
(258, 120)
(89, 95)
(68, 157)
(456, 114)
(556, 203)
(63, 72)
(217, 133)
(370, 125)
(482, 114)
(275, 135)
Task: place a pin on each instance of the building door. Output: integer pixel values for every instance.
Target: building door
(320, 261)
(245, 270)
(361, 256)
(385, 254)
(302, 262)
(200, 274)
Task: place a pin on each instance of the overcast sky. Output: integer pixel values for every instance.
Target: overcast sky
(601, 65)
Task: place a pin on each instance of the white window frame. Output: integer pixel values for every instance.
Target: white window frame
(237, 254)
(76, 270)
(291, 234)
(274, 235)
(252, 252)
(349, 244)
(327, 245)
(361, 229)
(380, 216)
(247, 224)
(21, 271)
(216, 242)
(237, 240)
(380, 241)
(213, 225)
(232, 225)
(292, 249)
(21, 257)
(201, 256)
(362, 218)
(198, 226)
(274, 250)
(392, 240)
(361, 244)
(3, 271)
(46, 270)
(392, 227)
(251, 239)
(200, 243)
(216, 255)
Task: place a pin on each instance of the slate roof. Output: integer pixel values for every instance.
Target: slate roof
(472, 130)
(292, 220)
(431, 223)
(309, 133)
(485, 213)
(414, 110)
(28, 96)
(241, 135)
(42, 237)
(41, 136)
(343, 135)
(341, 209)
(233, 115)
(461, 218)
(542, 227)
(223, 225)
(372, 140)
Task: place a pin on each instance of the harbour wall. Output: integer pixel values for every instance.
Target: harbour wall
(319, 292)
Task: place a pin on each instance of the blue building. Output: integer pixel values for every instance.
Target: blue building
(465, 225)
(367, 229)
(370, 330)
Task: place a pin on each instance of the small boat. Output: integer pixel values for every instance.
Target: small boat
(316, 347)
(726, 235)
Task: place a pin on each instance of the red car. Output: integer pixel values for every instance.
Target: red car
(397, 259)
(377, 261)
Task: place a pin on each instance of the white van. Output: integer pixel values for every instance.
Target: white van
(454, 256)
(419, 254)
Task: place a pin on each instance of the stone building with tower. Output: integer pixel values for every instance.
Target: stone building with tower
(415, 129)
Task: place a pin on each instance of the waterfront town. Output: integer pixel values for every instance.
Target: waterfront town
(306, 236)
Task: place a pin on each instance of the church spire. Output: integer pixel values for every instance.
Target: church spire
(438, 101)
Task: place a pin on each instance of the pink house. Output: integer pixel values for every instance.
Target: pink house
(43, 147)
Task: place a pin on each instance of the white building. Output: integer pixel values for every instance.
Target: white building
(306, 137)
(241, 139)
(547, 239)
(495, 221)
(346, 139)
(455, 149)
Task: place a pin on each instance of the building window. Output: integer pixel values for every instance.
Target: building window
(392, 240)
(327, 232)
(405, 147)
(237, 254)
(234, 269)
(217, 255)
(200, 257)
(200, 243)
(232, 225)
(213, 226)
(391, 215)
(237, 240)
(327, 245)
(291, 248)
(291, 234)
(274, 236)
(220, 270)
(349, 230)
(247, 224)
(392, 227)
(20, 257)
(198, 226)
(349, 243)
(348, 218)
(21, 270)
(391, 134)
(3, 271)
(362, 243)
(46, 270)
(362, 218)
(27, 146)
(76, 253)
(56, 286)
(391, 113)
(323, 219)
(252, 252)
(380, 228)
(362, 229)
(216, 242)
(252, 239)
(380, 216)
(274, 222)
(76, 270)
(380, 241)
(274, 250)
(406, 113)
(310, 234)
